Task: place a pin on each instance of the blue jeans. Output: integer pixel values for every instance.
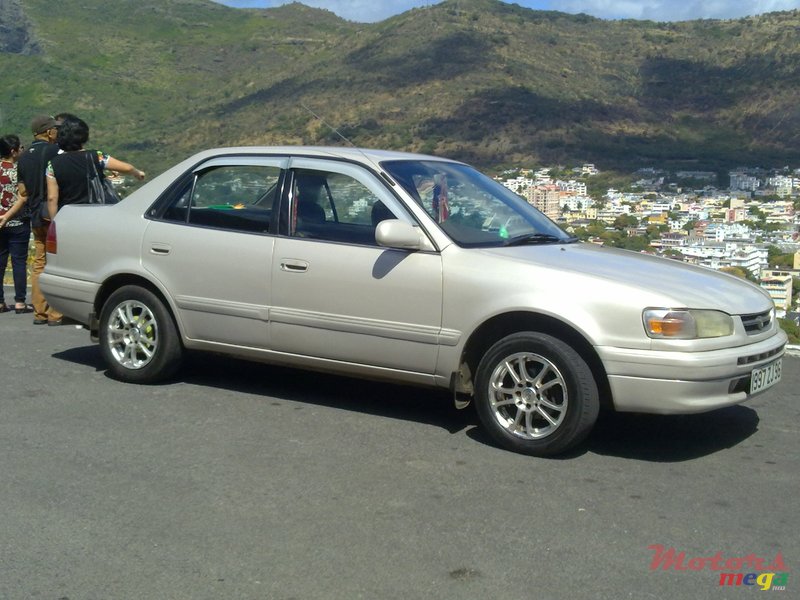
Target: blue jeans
(14, 241)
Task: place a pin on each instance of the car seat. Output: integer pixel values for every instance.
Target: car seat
(308, 191)
(308, 211)
(380, 213)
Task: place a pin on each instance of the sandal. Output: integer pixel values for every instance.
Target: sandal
(25, 309)
(4, 307)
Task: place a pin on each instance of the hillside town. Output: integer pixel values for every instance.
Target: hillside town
(749, 227)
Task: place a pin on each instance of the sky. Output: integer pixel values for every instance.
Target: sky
(366, 11)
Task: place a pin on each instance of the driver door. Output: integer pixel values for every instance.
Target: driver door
(336, 294)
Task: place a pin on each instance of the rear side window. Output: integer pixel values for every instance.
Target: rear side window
(235, 197)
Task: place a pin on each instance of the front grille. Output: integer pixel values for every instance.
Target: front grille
(754, 358)
(757, 323)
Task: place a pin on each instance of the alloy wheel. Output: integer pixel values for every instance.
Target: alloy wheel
(528, 396)
(132, 334)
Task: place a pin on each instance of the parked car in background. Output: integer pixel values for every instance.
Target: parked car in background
(406, 268)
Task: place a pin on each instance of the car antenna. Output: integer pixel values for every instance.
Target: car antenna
(360, 150)
(328, 125)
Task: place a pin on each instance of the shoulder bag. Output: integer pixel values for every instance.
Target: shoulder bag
(100, 189)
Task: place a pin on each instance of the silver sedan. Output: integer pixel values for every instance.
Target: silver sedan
(408, 268)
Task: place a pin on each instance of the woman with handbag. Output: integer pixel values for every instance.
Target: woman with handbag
(15, 231)
(72, 173)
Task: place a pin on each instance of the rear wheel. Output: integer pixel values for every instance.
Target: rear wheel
(535, 394)
(138, 338)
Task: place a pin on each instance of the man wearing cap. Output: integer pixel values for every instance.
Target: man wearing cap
(31, 168)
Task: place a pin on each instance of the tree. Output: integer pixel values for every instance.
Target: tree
(655, 230)
(636, 243)
(625, 221)
(596, 229)
(613, 238)
(689, 227)
(580, 233)
(740, 272)
(777, 259)
(760, 215)
(773, 251)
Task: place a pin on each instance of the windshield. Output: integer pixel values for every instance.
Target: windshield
(470, 207)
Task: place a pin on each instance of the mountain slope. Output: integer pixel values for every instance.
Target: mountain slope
(481, 80)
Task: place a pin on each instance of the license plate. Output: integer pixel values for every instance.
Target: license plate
(765, 377)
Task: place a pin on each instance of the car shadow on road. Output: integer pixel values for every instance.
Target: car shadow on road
(88, 356)
(655, 438)
(659, 438)
(431, 406)
(671, 438)
(408, 403)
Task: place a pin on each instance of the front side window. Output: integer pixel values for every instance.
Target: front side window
(470, 207)
(236, 197)
(335, 207)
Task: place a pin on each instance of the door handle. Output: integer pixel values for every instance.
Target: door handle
(160, 249)
(292, 265)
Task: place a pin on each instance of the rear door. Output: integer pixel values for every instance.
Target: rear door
(211, 248)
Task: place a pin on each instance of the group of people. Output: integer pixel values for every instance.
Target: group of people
(35, 182)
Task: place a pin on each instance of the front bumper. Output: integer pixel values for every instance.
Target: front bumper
(666, 382)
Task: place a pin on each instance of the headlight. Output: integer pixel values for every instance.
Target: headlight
(685, 324)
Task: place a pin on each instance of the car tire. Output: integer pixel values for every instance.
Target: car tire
(535, 395)
(138, 338)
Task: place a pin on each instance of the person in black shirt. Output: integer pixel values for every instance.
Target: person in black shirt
(32, 194)
(67, 172)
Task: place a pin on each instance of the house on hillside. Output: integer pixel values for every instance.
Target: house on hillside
(778, 284)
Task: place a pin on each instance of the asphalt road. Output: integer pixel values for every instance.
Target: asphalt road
(247, 481)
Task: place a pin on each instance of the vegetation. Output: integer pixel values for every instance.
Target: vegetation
(792, 330)
(481, 80)
(740, 272)
(623, 234)
(777, 259)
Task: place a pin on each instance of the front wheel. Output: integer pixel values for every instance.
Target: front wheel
(535, 395)
(138, 338)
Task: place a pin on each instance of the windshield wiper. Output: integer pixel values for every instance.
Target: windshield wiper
(538, 238)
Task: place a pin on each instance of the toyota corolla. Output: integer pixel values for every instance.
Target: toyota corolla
(408, 268)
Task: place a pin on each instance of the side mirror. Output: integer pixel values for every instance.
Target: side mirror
(394, 233)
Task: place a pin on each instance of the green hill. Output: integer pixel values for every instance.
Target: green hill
(481, 80)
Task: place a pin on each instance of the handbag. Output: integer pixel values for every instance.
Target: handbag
(101, 190)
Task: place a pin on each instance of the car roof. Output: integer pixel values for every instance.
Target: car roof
(361, 155)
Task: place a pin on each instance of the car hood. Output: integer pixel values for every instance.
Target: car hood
(679, 284)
